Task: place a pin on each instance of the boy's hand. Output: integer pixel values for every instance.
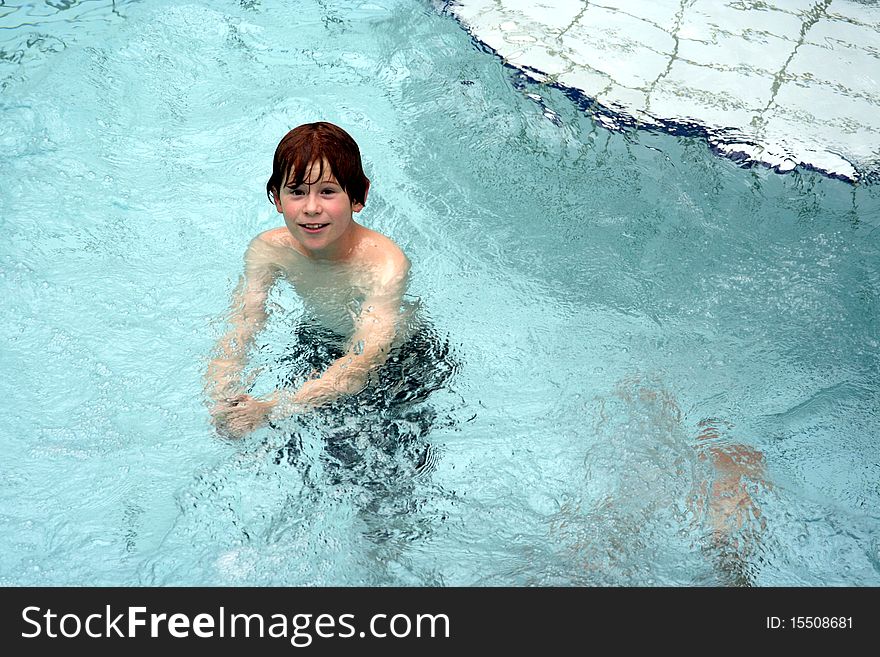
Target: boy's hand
(239, 415)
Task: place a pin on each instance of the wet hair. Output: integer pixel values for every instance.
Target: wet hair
(318, 142)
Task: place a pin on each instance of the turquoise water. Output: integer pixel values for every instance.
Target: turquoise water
(603, 293)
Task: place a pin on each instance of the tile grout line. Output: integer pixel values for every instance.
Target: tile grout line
(679, 16)
(759, 122)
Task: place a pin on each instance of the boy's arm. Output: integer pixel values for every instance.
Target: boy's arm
(246, 317)
(375, 329)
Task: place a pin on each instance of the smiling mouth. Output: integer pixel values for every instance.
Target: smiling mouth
(313, 228)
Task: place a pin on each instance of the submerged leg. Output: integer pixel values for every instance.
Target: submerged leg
(731, 512)
(722, 491)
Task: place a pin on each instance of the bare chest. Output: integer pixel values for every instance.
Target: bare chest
(331, 295)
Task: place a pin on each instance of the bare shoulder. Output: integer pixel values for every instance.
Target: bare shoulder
(278, 237)
(267, 248)
(382, 255)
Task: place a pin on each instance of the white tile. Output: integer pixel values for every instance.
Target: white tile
(623, 29)
(854, 72)
(586, 79)
(833, 32)
(807, 146)
(711, 17)
(761, 55)
(628, 71)
(627, 101)
(661, 13)
(729, 89)
(550, 17)
(860, 13)
(539, 56)
(613, 50)
(683, 104)
(826, 110)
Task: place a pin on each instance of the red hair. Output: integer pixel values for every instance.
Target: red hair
(317, 143)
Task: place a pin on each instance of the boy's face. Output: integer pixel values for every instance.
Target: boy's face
(319, 213)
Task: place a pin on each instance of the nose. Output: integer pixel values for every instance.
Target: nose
(313, 203)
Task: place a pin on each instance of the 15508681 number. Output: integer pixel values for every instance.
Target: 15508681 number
(821, 622)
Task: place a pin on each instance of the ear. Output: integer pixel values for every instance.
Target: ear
(357, 207)
(276, 200)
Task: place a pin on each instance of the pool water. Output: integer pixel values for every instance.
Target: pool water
(603, 294)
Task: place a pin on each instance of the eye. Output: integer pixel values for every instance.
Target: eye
(327, 191)
(296, 191)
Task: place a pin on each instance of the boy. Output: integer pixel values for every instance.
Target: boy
(351, 279)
